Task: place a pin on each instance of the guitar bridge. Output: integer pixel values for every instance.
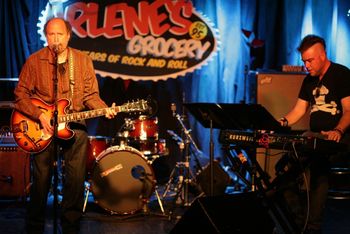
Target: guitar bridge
(20, 127)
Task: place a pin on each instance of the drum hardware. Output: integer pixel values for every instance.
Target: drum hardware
(121, 138)
(128, 125)
(142, 134)
(151, 149)
(185, 175)
(178, 182)
(145, 210)
(87, 193)
(193, 150)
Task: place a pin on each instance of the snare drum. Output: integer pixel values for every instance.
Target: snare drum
(96, 145)
(122, 180)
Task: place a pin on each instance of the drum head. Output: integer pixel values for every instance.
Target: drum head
(122, 180)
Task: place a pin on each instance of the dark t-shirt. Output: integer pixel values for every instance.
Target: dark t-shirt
(325, 96)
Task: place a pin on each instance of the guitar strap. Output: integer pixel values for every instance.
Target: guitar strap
(71, 87)
(71, 77)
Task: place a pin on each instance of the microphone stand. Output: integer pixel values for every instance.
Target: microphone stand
(55, 145)
(192, 143)
(245, 85)
(211, 158)
(188, 140)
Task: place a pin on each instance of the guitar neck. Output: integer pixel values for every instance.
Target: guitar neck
(86, 114)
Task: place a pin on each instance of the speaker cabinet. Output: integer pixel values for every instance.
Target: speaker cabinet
(278, 93)
(14, 172)
(234, 213)
(220, 181)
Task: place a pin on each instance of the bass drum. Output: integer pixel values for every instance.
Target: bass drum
(122, 180)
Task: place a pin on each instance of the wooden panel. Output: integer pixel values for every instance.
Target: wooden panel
(14, 171)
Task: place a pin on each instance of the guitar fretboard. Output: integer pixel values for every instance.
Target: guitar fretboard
(84, 115)
(140, 106)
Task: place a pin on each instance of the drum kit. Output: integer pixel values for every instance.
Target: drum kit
(119, 171)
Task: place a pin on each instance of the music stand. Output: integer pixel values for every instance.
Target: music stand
(231, 116)
(234, 116)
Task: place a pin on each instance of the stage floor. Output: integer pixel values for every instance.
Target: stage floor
(98, 220)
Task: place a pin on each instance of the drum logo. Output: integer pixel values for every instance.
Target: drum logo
(110, 170)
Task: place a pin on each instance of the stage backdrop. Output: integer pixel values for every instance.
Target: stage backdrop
(239, 36)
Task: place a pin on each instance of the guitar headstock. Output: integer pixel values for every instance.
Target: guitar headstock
(135, 106)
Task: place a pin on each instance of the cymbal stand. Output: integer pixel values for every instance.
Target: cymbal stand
(185, 173)
(192, 146)
(178, 168)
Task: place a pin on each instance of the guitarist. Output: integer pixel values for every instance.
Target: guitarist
(77, 82)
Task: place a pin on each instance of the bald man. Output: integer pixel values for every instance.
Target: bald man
(325, 96)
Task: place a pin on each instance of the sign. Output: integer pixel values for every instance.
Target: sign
(138, 40)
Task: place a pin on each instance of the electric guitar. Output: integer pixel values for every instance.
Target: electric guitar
(29, 135)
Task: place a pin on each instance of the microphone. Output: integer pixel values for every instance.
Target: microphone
(173, 109)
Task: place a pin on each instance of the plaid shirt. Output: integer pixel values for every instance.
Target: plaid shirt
(36, 80)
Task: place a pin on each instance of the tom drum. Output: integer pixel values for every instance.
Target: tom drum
(144, 128)
(96, 145)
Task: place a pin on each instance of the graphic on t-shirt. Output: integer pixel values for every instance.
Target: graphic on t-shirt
(319, 94)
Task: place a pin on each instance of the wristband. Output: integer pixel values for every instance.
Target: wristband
(338, 130)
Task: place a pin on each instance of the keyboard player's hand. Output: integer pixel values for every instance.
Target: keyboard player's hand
(333, 135)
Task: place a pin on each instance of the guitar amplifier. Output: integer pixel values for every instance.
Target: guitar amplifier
(14, 171)
(278, 93)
